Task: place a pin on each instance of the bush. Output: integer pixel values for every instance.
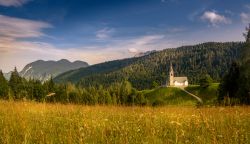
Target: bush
(206, 81)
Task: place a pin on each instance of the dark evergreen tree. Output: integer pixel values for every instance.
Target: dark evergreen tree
(236, 84)
(230, 84)
(16, 84)
(4, 88)
(244, 81)
(38, 91)
(50, 85)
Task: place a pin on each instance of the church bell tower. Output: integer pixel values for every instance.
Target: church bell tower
(171, 75)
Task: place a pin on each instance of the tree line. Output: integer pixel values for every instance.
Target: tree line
(18, 88)
(235, 85)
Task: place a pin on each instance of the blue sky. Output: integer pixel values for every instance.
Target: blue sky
(101, 30)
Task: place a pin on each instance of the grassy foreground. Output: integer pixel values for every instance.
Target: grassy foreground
(28, 122)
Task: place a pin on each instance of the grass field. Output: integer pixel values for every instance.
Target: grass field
(29, 122)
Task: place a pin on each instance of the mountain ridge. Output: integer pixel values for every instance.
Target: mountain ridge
(42, 70)
(192, 61)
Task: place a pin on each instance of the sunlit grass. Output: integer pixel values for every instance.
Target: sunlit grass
(29, 122)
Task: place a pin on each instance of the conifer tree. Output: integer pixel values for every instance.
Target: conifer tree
(244, 81)
(4, 88)
(15, 84)
(236, 84)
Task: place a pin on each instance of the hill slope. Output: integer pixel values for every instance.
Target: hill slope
(168, 96)
(43, 70)
(208, 95)
(143, 72)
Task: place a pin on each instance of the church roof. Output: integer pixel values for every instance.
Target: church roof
(180, 79)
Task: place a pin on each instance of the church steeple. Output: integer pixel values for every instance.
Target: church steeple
(171, 75)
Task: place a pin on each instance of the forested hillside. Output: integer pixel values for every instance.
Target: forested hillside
(152, 70)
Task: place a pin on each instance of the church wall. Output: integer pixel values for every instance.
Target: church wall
(178, 84)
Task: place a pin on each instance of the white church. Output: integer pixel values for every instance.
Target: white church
(176, 81)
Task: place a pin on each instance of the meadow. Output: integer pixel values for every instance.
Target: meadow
(30, 122)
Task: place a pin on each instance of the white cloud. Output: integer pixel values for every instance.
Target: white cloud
(20, 28)
(214, 18)
(15, 3)
(105, 33)
(132, 50)
(245, 17)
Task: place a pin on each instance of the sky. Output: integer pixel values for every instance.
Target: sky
(102, 30)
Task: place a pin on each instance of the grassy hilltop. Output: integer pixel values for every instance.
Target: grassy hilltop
(175, 96)
(29, 122)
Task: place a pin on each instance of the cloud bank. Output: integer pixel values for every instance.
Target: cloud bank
(14, 28)
(14, 3)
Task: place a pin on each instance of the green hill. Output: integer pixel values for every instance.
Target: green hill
(208, 95)
(168, 96)
(143, 72)
(175, 96)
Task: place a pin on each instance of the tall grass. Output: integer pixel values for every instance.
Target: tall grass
(29, 122)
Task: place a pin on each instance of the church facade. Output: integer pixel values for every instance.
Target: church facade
(176, 81)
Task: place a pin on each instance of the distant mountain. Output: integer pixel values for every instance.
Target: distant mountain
(43, 70)
(143, 72)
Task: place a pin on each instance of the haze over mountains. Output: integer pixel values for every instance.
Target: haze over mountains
(43, 70)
